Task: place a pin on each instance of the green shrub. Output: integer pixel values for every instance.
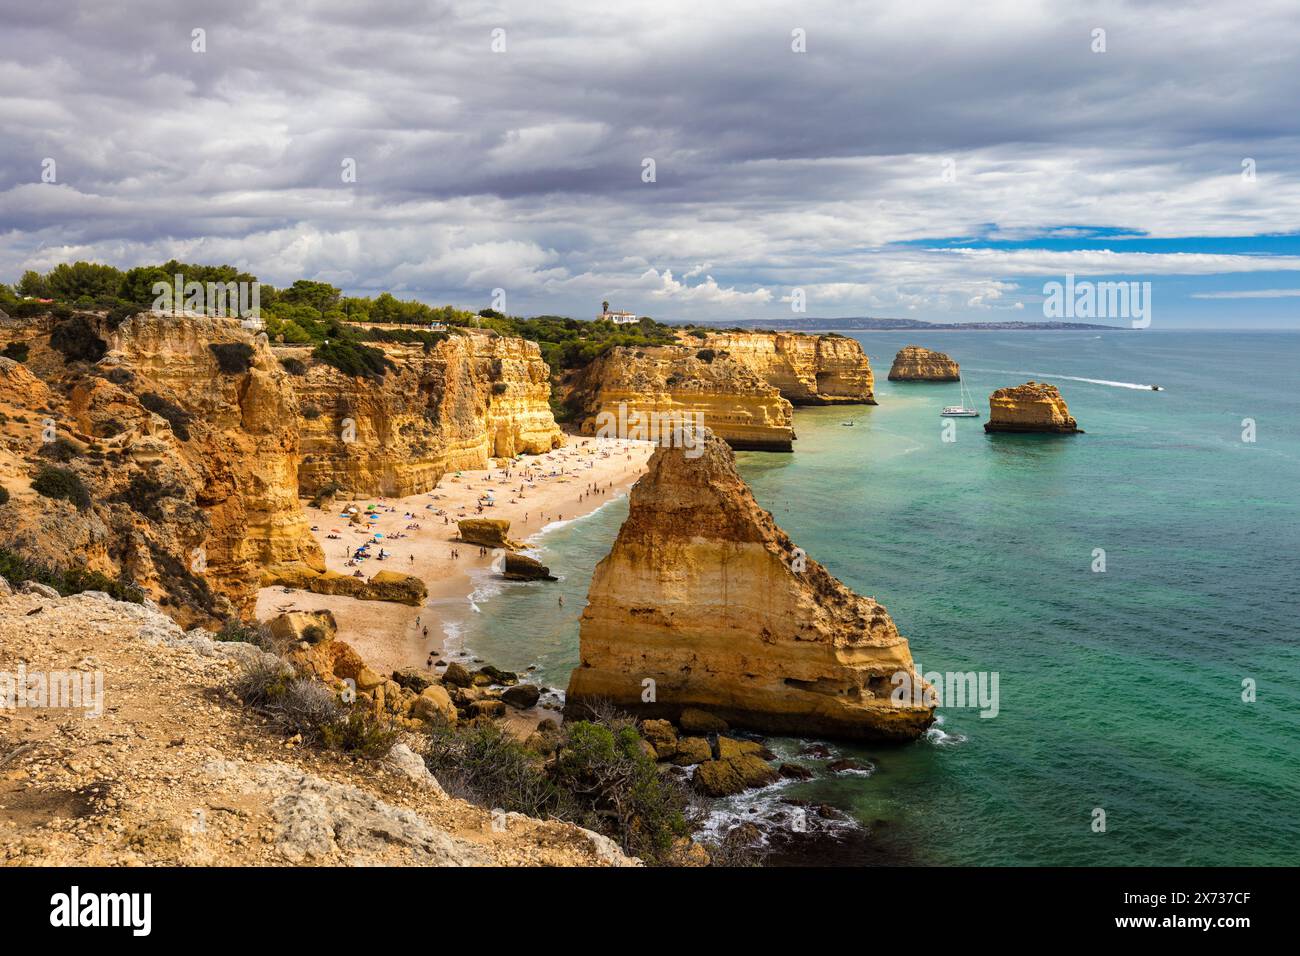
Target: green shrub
(293, 366)
(66, 581)
(609, 773)
(60, 450)
(500, 388)
(705, 355)
(305, 707)
(353, 358)
(77, 341)
(4, 495)
(485, 765)
(18, 351)
(601, 778)
(61, 483)
(176, 417)
(144, 495)
(233, 358)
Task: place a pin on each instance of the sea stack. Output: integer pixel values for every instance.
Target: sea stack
(916, 364)
(1032, 407)
(705, 604)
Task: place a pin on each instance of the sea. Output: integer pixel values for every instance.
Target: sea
(1133, 589)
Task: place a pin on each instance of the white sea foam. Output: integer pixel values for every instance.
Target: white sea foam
(1048, 376)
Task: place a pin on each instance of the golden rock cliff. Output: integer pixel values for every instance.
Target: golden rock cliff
(807, 369)
(1032, 407)
(671, 383)
(469, 399)
(706, 597)
(184, 433)
(916, 364)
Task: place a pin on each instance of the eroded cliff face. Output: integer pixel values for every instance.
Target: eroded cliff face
(471, 398)
(191, 470)
(916, 364)
(807, 369)
(672, 383)
(705, 596)
(1032, 407)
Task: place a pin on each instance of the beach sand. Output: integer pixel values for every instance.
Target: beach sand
(386, 634)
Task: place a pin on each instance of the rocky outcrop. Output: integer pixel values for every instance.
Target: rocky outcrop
(382, 586)
(706, 597)
(1032, 407)
(916, 364)
(641, 393)
(807, 369)
(471, 398)
(191, 468)
(192, 778)
(487, 533)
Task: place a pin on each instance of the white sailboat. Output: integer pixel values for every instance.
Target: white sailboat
(965, 410)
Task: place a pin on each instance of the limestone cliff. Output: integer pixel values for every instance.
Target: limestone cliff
(1032, 407)
(808, 369)
(671, 383)
(183, 431)
(705, 596)
(916, 364)
(469, 399)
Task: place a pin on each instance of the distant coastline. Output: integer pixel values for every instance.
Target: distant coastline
(869, 324)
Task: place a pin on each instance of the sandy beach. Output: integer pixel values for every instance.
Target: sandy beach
(420, 537)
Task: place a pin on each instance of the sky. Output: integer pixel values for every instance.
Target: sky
(931, 160)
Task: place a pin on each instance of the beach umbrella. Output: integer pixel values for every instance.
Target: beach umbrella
(379, 534)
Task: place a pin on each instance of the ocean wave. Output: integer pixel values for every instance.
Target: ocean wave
(940, 737)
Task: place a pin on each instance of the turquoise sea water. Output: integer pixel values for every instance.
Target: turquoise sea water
(1118, 690)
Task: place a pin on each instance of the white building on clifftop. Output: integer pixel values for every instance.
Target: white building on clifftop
(618, 318)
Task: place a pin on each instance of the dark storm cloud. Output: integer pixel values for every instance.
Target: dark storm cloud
(522, 169)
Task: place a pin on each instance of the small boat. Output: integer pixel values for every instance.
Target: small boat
(1156, 388)
(964, 410)
(848, 424)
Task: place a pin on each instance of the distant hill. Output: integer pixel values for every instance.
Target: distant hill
(869, 324)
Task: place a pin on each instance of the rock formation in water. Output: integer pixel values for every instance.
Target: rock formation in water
(807, 369)
(487, 533)
(703, 595)
(469, 399)
(650, 388)
(916, 364)
(1032, 407)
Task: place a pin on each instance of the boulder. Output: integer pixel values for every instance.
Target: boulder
(488, 708)
(522, 696)
(793, 771)
(311, 627)
(520, 567)
(696, 721)
(662, 736)
(414, 679)
(496, 675)
(692, 750)
(487, 532)
(35, 587)
(717, 778)
(434, 703)
(457, 676)
(728, 748)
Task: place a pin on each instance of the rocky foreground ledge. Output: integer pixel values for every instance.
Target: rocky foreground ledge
(704, 604)
(1032, 407)
(175, 771)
